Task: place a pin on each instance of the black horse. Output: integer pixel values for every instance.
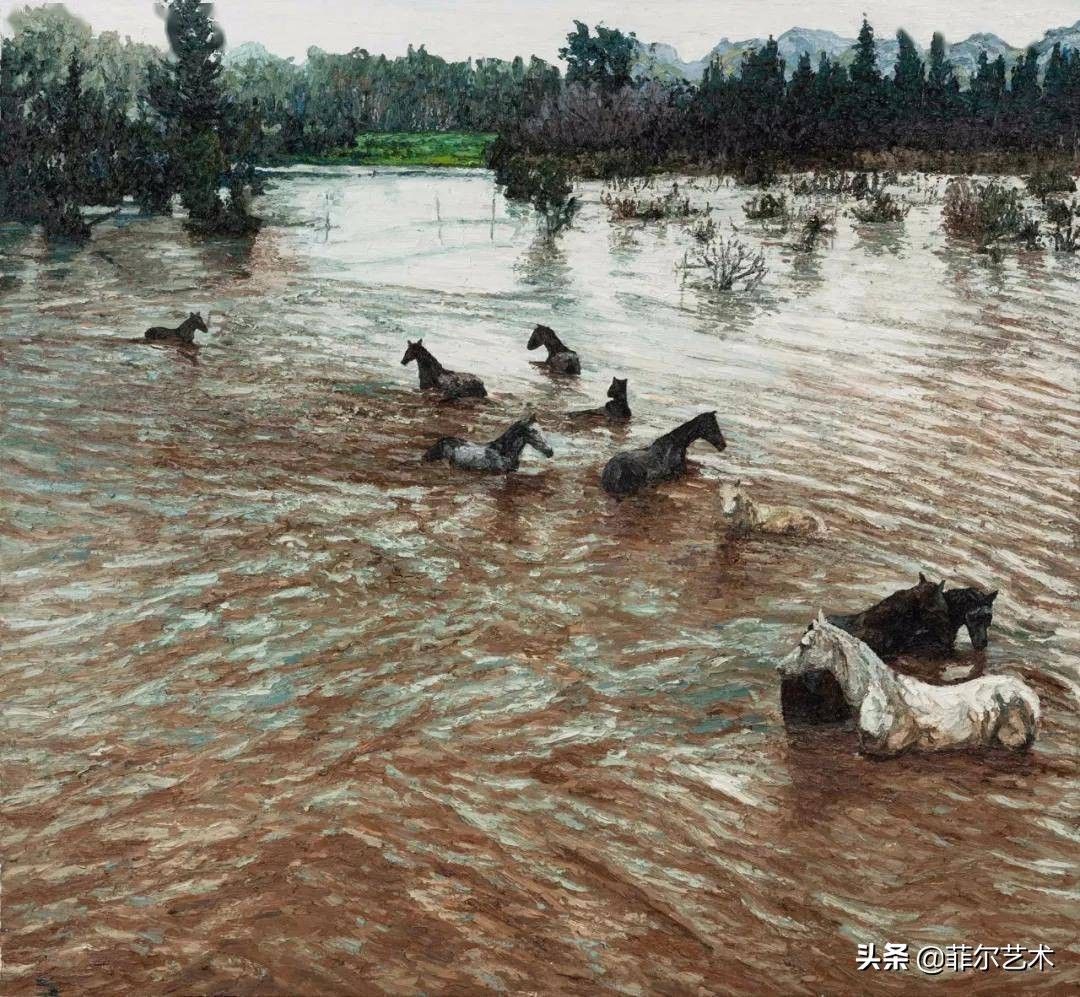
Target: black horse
(433, 375)
(616, 410)
(912, 621)
(183, 334)
(632, 470)
(561, 359)
(972, 608)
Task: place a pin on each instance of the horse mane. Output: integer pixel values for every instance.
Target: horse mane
(550, 339)
(512, 435)
(679, 433)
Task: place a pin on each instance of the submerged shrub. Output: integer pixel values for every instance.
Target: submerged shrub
(1053, 180)
(633, 208)
(986, 213)
(1065, 217)
(766, 206)
(544, 183)
(814, 225)
(881, 207)
(704, 230)
(720, 264)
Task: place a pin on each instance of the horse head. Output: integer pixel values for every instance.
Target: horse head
(197, 320)
(534, 438)
(413, 352)
(617, 390)
(974, 609)
(709, 430)
(541, 336)
(815, 652)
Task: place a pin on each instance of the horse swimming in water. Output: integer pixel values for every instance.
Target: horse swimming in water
(500, 456)
(183, 334)
(561, 359)
(972, 608)
(895, 712)
(916, 620)
(433, 375)
(630, 471)
(616, 410)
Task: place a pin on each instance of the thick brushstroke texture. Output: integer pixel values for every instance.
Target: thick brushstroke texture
(287, 711)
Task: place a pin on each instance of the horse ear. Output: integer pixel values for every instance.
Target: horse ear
(922, 578)
(820, 621)
(941, 587)
(991, 596)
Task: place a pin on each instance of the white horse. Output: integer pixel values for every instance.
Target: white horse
(745, 516)
(895, 712)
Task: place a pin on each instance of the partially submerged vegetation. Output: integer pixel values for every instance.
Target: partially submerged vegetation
(1052, 180)
(881, 207)
(544, 183)
(987, 214)
(1065, 217)
(632, 203)
(816, 225)
(766, 207)
(720, 264)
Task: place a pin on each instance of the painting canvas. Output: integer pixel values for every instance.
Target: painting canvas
(539, 498)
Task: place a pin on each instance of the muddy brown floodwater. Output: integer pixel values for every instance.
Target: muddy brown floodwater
(287, 712)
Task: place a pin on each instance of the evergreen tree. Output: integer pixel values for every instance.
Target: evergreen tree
(800, 106)
(187, 95)
(909, 77)
(942, 86)
(867, 98)
(62, 167)
(604, 59)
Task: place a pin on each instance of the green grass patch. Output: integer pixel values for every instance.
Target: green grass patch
(406, 149)
(423, 148)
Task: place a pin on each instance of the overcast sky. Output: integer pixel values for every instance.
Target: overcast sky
(460, 28)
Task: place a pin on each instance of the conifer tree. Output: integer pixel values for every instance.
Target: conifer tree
(909, 76)
(187, 94)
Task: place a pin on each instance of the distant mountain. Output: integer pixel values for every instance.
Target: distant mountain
(248, 52)
(663, 62)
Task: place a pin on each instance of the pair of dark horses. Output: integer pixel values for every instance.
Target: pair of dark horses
(452, 384)
(922, 621)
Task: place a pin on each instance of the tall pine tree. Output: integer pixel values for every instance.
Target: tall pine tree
(187, 94)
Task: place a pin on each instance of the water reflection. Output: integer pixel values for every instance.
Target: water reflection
(882, 240)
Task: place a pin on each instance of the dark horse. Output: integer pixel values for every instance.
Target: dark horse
(561, 359)
(500, 456)
(183, 333)
(972, 608)
(632, 470)
(616, 410)
(911, 621)
(434, 375)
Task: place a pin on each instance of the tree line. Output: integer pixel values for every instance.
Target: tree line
(89, 120)
(825, 112)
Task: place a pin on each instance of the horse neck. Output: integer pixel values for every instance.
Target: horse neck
(552, 342)
(861, 670)
(510, 444)
(426, 362)
(188, 325)
(895, 608)
(682, 437)
(618, 406)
